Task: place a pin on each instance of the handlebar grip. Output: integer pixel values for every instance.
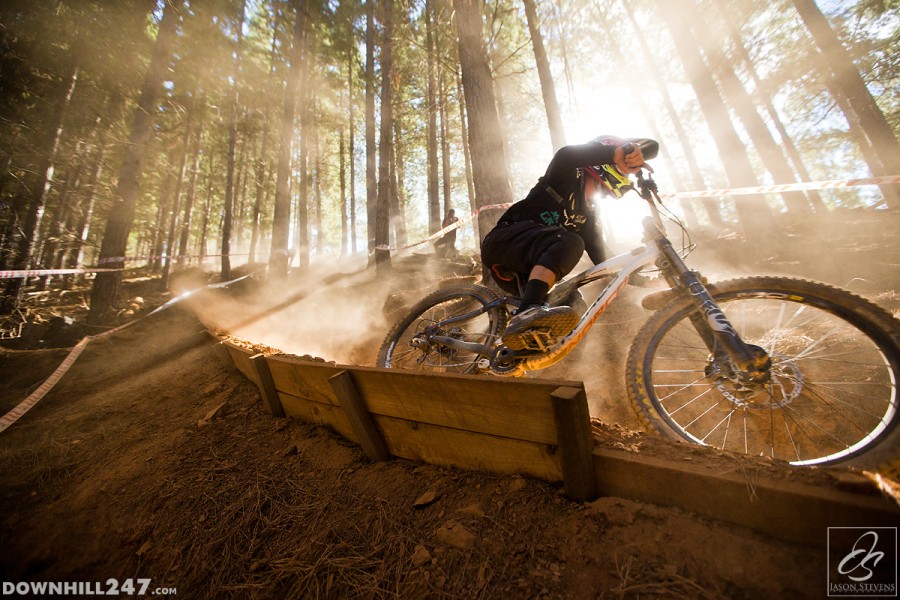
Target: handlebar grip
(627, 148)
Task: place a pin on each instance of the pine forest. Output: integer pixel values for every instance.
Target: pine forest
(170, 133)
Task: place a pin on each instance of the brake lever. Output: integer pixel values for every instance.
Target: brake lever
(648, 187)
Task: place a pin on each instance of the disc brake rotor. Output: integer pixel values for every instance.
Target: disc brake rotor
(785, 385)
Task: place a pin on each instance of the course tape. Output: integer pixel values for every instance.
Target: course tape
(43, 272)
(787, 187)
(121, 259)
(25, 405)
(441, 232)
(764, 189)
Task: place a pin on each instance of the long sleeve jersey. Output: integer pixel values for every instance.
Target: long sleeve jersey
(576, 212)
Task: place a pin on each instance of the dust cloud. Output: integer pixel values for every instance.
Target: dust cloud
(335, 310)
(332, 309)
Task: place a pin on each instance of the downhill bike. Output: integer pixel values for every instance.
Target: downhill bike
(793, 369)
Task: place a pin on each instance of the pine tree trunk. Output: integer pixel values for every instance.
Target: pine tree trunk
(56, 226)
(112, 112)
(768, 150)
(105, 292)
(241, 194)
(342, 175)
(371, 158)
(176, 200)
(82, 222)
(445, 145)
(548, 90)
(317, 183)
(281, 220)
(467, 155)
(158, 243)
(40, 186)
(187, 217)
(350, 53)
(398, 193)
(765, 98)
(386, 146)
(260, 184)
(844, 80)
(434, 209)
(755, 215)
(561, 37)
(489, 171)
(710, 206)
(301, 229)
(230, 182)
(207, 213)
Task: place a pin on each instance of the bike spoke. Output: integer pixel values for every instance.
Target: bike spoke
(832, 389)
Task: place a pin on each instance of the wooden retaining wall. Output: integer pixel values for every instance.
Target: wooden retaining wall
(542, 429)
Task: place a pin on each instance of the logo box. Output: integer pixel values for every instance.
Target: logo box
(862, 562)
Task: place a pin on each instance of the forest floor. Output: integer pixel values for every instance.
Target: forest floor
(152, 460)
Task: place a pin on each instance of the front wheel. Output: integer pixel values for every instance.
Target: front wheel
(458, 313)
(832, 393)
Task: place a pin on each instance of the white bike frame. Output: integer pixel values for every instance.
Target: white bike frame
(623, 264)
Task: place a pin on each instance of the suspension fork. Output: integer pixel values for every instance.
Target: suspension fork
(711, 323)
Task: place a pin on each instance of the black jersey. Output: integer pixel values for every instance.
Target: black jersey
(575, 212)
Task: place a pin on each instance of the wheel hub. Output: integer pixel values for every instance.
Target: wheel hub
(784, 386)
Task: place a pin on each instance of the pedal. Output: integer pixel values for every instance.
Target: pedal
(531, 340)
(538, 340)
(543, 333)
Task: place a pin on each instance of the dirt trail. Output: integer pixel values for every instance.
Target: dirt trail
(151, 460)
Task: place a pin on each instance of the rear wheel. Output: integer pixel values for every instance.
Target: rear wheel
(411, 345)
(832, 395)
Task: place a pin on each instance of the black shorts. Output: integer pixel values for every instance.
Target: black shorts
(516, 248)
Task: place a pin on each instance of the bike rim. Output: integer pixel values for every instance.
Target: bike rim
(833, 391)
(480, 329)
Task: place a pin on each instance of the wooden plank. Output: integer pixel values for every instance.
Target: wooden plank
(266, 385)
(517, 408)
(241, 359)
(573, 424)
(223, 355)
(319, 413)
(357, 413)
(304, 379)
(469, 451)
(784, 510)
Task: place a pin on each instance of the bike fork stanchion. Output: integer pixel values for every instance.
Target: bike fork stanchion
(749, 359)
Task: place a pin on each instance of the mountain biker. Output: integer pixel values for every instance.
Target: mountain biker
(541, 238)
(445, 247)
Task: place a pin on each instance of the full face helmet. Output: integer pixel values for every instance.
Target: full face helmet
(613, 181)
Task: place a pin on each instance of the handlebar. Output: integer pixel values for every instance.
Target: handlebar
(646, 187)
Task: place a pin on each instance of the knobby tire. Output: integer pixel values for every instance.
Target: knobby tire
(836, 367)
(397, 352)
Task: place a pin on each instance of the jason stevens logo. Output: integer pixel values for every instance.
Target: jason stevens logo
(862, 561)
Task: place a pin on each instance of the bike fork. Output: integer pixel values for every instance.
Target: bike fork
(713, 326)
